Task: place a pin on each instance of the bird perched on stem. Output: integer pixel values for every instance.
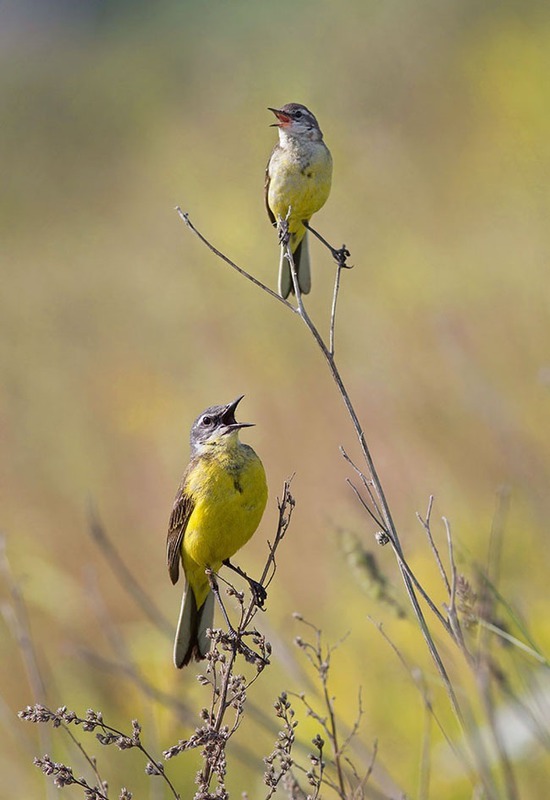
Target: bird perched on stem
(297, 184)
(219, 505)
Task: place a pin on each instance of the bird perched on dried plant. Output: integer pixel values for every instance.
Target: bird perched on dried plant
(219, 505)
(297, 184)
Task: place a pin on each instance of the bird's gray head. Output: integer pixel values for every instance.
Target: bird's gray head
(295, 119)
(214, 424)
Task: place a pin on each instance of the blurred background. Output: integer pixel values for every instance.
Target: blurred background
(118, 327)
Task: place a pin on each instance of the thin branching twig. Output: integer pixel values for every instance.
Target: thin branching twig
(343, 778)
(228, 690)
(105, 734)
(379, 510)
(388, 523)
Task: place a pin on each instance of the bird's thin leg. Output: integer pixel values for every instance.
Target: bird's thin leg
(258, 591)
(283, 231)
(212, 580)
(339, 255)
(233, 637)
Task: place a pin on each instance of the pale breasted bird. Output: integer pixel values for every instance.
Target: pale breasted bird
(297, 184)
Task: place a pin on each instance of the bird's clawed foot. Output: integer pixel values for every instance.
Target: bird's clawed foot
(340, 255)
(283, 231)
(258, 592)
(234, 640)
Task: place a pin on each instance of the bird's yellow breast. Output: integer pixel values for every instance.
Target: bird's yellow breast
(229, 492)
(299, 177)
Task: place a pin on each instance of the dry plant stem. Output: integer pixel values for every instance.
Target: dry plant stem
(389, 525)
(125, 664)
(388, 787)
(208, 768)
(108, 736)
(368, 486)
(368, 773)
(282, 753)
(426, 524)
(451, 610)
(333, 308)
(517, 620)
(185, 217)
(459, 755)
(22, 632)
(477, 665)
(480, 667)
(90, 759)
(321, 663)
(219, 702)
(410, 574)
(69, 778)
(318, 742)
(329, 702)
(483, 672)
(214, 588)
(365, 505)
(220, 695)
(148, 689)
(21, 628)
(399, 558)
(425, 765)
(339, 254)
(480, 663)
(345, 781)
(286, 507)
(127, 580)
(355, 729)
(514, 641)
(340, 259)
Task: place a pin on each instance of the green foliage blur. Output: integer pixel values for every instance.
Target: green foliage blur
(118, 327)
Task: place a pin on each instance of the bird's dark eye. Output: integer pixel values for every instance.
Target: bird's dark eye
(207, 421)
(297, 114)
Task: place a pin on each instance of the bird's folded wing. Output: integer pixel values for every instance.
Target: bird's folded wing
(183, 507)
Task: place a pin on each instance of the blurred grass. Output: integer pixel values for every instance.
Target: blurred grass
(118, 327)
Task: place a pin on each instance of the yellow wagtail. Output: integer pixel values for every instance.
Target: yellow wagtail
(297, 184)
(219, 505)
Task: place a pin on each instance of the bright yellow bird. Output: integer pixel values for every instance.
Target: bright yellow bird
(219, 505)
(297, 184)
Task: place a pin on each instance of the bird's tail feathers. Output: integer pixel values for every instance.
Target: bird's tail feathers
(191, 639)
(303, 272)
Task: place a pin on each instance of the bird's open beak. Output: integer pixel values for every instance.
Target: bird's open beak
(228, 417)
(283, 118)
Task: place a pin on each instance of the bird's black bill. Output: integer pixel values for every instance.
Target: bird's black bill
(281, 116)
(230, 407)
(228, 416)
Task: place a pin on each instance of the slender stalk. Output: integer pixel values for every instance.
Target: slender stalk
(127, 580)
(334, 739)
(426, 524)
(376, 482)
(185, 217)
(379, 499)
(220, 703)
(379, 490)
